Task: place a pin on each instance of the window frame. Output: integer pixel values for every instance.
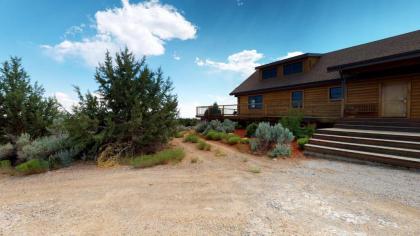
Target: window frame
(271, 69)
(256, 106)
(293, 63)
(335, 99)
(302, 102)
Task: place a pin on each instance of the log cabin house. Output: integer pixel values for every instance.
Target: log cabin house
(371, 92)
(376, 79)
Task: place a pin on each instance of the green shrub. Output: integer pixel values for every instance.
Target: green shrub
(191, 138)
(5, 164)
(234, 140)
(160, 158)
(180, 134)
(214, 125)
(34, 166)
(187, 122)
(6, 151)
(250, 129)
(63, 158)
(43, 147)
(267, 136)
(302, 142)
(244, 140)
(280, 150)
(293, 121)
(201, 127)
(201, 145)
(215, 135)
(229, 126)
(6, 167)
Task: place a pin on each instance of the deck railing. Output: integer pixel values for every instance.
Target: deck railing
(267, 110)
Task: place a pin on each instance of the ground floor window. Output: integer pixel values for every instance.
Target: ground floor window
(255, 102)
(297, 99)
(336, 93)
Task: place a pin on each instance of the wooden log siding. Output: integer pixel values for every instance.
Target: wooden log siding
(415, 98)
(368, 92)
(316, 103)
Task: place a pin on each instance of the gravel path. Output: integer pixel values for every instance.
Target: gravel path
(216, 196)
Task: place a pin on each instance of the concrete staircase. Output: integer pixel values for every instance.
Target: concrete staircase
(389, 141)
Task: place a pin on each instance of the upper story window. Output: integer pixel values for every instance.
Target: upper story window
(297, 99)
(269, 73)
(255, 102)
(293, 68)
(336, 93)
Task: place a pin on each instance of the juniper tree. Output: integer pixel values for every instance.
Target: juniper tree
(23, 107)
(133, 107)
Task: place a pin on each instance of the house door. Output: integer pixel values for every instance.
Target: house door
(394, 99)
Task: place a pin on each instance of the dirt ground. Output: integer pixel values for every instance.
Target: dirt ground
(218, 195)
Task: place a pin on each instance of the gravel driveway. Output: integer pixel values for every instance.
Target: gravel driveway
(216, 196)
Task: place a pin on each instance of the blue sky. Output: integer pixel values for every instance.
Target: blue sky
(206, 47)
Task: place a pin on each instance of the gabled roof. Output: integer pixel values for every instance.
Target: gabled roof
(289, 59)
(404, 44)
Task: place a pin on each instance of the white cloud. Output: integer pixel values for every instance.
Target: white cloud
(65, 100)
(239, 3)
(176, 57)
(290, 54)
(242, 62)
(143, 27)
(76, 29)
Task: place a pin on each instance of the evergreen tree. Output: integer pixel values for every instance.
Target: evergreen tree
(23, 108)
(133, 108)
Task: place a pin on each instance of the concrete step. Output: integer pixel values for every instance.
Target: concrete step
(370, 141)
(382, 119)
(376, 134)
(321, 151)
(379, 123)
(378, 127)
(368, 148)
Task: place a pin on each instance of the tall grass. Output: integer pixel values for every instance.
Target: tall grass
(160, 158)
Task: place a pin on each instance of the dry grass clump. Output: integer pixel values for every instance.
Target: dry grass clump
(159, 158)
(254, 169)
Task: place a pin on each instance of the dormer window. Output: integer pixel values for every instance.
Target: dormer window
(293, 68)
(269, 73)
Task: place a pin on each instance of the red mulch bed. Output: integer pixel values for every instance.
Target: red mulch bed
(296, 152)
(240, 132)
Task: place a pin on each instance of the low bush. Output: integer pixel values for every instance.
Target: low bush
(229, 126)
(187, 122)
(254, 169)
(194, 160)
(63, 158)
(43, 147)
(179, 134)
(215, 135)
(191, 138)
(234, 140)
(5, 164)
(160, 158)
(202, 145)
(6, 151)
(250, 129)
(302, 142)
(34, 166)
(244, 140)
(201, 127)
(280, 150)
